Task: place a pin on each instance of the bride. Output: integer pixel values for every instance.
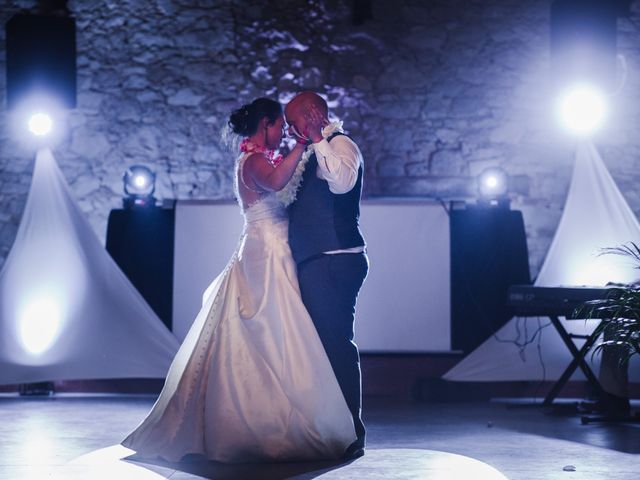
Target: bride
(251, 381)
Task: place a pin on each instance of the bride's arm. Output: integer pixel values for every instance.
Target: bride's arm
(268, 177)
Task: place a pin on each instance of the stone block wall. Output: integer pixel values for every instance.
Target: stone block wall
(434, 91)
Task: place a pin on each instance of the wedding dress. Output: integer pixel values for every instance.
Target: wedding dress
(251, 381)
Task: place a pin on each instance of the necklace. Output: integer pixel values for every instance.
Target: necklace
(247, 146)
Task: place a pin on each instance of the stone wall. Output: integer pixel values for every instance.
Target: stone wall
(433, 90)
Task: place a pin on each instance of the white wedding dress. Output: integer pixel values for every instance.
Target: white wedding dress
(251, 381)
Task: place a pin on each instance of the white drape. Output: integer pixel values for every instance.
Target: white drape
(595, 216)
(66, 310)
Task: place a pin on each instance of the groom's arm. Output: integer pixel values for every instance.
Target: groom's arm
(338, 163)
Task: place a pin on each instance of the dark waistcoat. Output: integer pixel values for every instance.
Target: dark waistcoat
(322, 221)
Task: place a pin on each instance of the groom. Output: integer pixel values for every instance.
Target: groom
(327, 244)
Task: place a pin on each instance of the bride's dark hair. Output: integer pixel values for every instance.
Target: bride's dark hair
(244, 121)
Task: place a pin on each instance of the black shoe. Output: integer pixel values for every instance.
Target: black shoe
(355, 450)
(350, 454)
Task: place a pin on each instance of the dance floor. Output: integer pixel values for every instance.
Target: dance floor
(76, 437)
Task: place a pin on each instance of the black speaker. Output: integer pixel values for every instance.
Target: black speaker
(583, 42)
(41, 58)
(140, 240)
(488, 254)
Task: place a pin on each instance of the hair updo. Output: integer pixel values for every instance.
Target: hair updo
(244, 121)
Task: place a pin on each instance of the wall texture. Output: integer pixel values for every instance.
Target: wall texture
(434, 91)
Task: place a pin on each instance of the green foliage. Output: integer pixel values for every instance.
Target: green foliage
(620, 310)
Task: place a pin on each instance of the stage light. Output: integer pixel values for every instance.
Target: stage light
(582, 109)
(492, 184)
(40, 124)
(139, 180)
(39, 121)
(40, 47)
(41, 55)
(139, 185)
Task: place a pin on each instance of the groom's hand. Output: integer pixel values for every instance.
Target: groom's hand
(299, 137)
(314, 120)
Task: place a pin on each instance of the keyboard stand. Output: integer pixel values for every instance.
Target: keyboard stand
(555, 302)
(578, 360)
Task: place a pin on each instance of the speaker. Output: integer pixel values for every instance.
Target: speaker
(41, 58)
(583, 42)
(488, 254)
(141, 241)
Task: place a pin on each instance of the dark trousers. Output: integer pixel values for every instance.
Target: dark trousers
(329, 285)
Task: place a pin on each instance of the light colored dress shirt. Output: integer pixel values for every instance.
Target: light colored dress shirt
(338, 164)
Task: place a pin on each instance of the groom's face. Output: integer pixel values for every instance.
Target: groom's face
(295, 118)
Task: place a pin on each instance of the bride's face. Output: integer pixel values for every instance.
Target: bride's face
(275, 132)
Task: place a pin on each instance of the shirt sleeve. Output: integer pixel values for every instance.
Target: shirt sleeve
(338, 163)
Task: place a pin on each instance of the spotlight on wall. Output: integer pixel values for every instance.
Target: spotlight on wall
(139, 186)
(582, 109)
(40, 322)
(492, 187)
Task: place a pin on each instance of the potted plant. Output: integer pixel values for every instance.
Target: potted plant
(620, 310)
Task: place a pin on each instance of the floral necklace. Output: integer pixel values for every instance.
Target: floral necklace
(288, 194)
(247, 146)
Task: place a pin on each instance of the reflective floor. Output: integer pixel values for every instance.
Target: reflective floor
(76, 437)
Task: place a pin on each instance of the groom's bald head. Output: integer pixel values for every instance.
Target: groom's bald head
(299, 107)
(304, 100)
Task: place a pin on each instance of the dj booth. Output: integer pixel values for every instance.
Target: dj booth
(438, 279)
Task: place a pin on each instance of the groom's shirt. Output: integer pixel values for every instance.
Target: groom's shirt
(338, 164)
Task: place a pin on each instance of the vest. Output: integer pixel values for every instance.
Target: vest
(322, 221)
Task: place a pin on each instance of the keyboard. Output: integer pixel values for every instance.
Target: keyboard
(529, 300)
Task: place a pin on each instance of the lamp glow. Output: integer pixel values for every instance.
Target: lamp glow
(140, 181)
(492, 183)
(39, 324)
(40, 124)
(582, 109)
